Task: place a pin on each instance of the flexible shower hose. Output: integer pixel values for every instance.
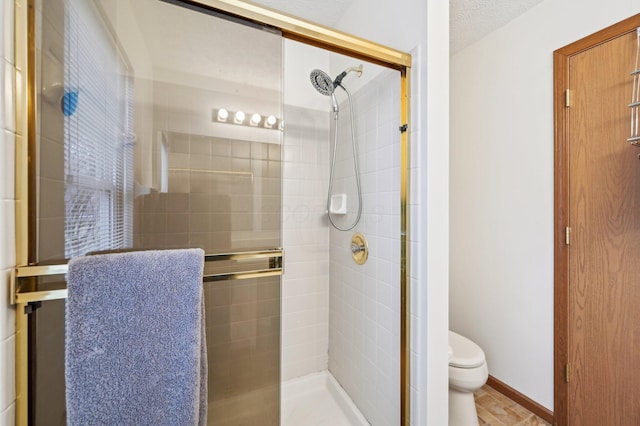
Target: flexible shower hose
(355, 167)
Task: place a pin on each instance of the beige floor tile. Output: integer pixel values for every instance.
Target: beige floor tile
(486, 418)
(533, 421)
(495, 409)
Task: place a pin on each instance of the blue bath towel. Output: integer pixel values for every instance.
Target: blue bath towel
(135, 345)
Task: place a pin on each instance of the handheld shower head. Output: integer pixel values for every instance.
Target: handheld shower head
(325, 86)
(322, 82)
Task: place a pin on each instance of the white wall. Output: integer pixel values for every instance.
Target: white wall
(7, 212)
(422, 28)
(502, 187)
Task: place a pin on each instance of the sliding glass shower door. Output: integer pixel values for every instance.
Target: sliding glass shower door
(160, 126)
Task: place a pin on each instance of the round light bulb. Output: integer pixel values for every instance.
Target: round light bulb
(239, 117)
(255, 119)
(270, 121)
(223, 114)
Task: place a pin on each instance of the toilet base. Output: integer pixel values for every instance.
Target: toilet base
(462, 409)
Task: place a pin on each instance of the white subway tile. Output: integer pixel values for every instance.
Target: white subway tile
(8, 416)
(306, 318)
(384, 293)
(7, 371)
(7, 172)
(7, 90)
(7, 311)
(362, 299)
(4, 102)
(291, 155)
(313, 334)
(7, 30)
(7, 240)
(316, 268)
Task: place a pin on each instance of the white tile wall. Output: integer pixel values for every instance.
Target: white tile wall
(305, 284)
(7, 369)
(8, 118)
(364, 336)
(7, 215)
(6, 30)
(8, 416)
(7, 172)
(7, 318)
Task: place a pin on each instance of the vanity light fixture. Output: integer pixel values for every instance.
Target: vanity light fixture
(270, 122)
(239, 117)
(255, 119)
(222, 115)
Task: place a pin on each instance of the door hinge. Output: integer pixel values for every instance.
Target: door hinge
(567, 373)
(567, 235)
(567, 98)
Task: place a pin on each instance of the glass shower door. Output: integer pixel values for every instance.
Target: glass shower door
(160, 126)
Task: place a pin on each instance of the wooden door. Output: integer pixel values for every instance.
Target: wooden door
(598, 260)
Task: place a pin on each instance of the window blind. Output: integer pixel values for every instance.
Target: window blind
(98, 124)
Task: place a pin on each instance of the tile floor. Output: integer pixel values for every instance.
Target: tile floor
(495, 409)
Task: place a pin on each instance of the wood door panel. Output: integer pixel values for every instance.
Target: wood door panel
(604, 254)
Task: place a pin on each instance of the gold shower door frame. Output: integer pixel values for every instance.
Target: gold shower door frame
(292, 28)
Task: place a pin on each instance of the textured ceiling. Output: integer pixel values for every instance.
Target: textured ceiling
(470, 20)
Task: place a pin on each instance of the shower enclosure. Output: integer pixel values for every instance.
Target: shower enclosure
(170, 124)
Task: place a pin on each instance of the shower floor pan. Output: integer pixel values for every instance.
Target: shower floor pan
(318, 400)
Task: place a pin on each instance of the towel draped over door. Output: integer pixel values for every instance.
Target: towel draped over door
(135, 351)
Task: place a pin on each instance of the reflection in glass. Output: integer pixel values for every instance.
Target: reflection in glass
(132, 153)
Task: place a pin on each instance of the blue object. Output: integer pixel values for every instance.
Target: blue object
(135, 344)
(69, 103)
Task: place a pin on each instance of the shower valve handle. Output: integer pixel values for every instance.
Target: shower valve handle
(357, 248)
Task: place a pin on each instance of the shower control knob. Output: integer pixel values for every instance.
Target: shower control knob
(359, 248)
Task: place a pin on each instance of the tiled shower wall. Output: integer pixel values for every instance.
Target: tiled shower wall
(364, 336)
(305, 284)
(223, 195)
(8, 141)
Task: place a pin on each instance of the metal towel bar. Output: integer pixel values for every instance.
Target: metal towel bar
(19, 295)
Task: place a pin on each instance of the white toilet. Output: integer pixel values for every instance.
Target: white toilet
(468, 372)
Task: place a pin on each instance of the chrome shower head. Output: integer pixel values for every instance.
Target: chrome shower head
(322, 82)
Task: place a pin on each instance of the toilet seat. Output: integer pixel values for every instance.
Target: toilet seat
(465, 353)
